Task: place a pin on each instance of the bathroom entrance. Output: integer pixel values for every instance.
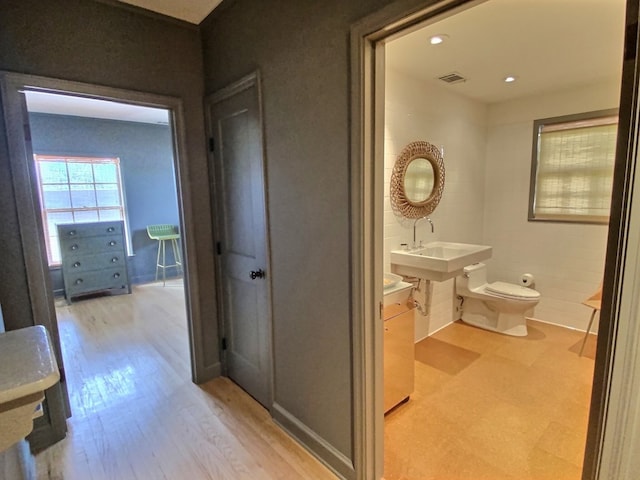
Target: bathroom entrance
(479, 114)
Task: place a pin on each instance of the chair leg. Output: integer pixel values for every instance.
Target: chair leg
(586, 334)
(164, 263)
(176, 255)
(158, 260)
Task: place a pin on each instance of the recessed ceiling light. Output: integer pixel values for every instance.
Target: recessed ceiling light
(510, 78)
(438, 39)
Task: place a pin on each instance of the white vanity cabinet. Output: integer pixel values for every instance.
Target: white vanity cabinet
(399, 356)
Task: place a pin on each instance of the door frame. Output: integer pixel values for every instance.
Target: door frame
(252, 79)
(616, 386)
(30, 218)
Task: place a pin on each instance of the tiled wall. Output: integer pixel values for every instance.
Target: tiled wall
(487, 156)
(458, 125)
(567, 260)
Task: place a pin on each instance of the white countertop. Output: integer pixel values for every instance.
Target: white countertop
(27, 363)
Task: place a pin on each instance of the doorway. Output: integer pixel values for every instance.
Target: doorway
(369, 83)
(28, 196)
(102, 161)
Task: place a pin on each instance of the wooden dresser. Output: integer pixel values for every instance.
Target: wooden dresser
(93, 257)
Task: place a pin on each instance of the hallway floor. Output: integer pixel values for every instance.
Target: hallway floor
(494, 407)
(138, 416)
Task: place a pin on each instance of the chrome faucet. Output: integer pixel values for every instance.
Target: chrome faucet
(414, 228)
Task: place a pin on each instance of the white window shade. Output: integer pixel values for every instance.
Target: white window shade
(574, 170)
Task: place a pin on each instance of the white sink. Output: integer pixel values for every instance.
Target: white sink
(438, 260)
(27, 368)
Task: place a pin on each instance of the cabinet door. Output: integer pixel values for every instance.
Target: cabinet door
(398, 358)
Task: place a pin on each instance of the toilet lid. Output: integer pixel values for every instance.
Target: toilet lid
(510, 290)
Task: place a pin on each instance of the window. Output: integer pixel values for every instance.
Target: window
(77, 190)
(572, 167)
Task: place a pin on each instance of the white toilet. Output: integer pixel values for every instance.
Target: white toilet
(499, 306)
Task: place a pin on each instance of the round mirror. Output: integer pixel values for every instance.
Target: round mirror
(417, 180)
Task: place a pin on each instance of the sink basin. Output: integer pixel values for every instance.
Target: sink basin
(438, 261)
(27, 368)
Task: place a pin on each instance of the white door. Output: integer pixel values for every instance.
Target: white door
(238, 171)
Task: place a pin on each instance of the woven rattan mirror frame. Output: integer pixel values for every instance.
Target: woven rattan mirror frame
(400, 203)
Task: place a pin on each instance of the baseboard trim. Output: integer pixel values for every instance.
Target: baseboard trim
(210, 372)
(336, 461)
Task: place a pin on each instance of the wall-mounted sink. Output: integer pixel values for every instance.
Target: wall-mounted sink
(27, 368)
(438, 261)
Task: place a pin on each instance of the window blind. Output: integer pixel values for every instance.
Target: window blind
(575, 170)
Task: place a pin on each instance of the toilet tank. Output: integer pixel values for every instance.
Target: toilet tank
(476, 275)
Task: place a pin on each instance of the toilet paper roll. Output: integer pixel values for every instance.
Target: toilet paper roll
(527, 280)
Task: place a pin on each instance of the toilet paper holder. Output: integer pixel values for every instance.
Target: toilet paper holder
(527, 280)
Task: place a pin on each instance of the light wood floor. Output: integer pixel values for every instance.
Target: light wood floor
(495, 407)
(136, 414)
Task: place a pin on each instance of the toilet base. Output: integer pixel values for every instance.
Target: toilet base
(481, 322)
(479, 314)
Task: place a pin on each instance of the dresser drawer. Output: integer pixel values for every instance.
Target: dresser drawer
(83, 263)
(89, 229)
(94, 280)
(71, 248)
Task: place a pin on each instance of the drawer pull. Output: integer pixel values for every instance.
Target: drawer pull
(112, 243)
(76, 265)
(74, 246)
(111, 229)
(78, 281)
(114, 260)
(116, 275)
(72, 233)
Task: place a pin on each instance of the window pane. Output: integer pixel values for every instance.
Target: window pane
(86, 216)
(105, 172)
(77, 190)
(55, 196)
(53, 172)
(57, 218)
(83, 196)
(54, 247)
(80, 172)
(111, 214)
(108, 195)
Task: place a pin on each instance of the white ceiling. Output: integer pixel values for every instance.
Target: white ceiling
(547, 44)
(192, 11)
(87, 107)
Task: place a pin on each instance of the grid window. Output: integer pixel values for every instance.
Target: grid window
(77, 190)
(572, 168)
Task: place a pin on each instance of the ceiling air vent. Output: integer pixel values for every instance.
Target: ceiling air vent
(452, 78)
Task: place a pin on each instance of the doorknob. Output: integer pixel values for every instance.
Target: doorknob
(258, 274)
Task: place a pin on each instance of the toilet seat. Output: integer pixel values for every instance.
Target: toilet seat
(509, 290)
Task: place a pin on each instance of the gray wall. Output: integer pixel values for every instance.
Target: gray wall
(146, 166)
(302, 51)
(96, 43)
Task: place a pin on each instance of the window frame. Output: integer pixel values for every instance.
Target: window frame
(533, 177)
(86, 159)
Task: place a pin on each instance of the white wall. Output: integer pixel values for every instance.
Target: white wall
(487, 156)
(415, 111)
(566, 259)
